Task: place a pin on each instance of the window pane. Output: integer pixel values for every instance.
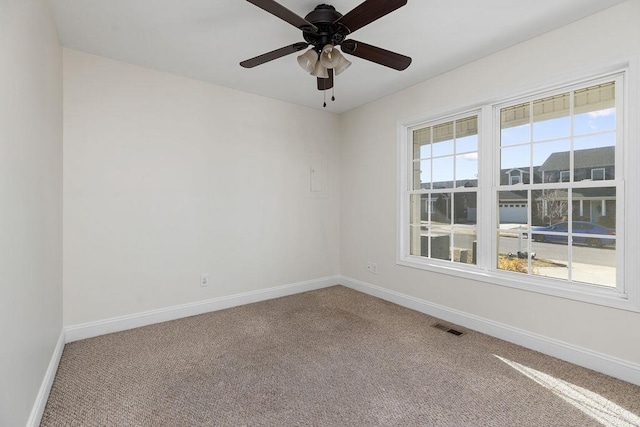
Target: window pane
(550, 260)
(443, 172)
(418, 212)
(596, 121)
(512, 208)
(596, 206)
(466, 207)
(467, 135)
(549, 207)
(440, 242)
(594, 109)
(422, 174)
(594, 265)
(550, 159)
(512, 252)
(551, 118)
(465, 232)
(467, 170)
(514, 125)
(465, 245)
(594, 141)
(422, 143)
(515, 158)
(467, 144)
(594, 153)
(441, 208)
(513, 232)
(443, 139)
(418, 241)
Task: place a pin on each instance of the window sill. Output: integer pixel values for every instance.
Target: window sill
(542, 285)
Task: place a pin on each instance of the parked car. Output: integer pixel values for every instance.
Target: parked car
(579, 227)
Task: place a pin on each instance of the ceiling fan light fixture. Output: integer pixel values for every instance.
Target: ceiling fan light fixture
(308, 60)
(343, 64)
(320, 71)
(330, 56)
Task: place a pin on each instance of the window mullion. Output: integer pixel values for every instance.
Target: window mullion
(486, 214)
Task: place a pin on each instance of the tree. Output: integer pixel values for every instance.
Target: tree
(552, 206)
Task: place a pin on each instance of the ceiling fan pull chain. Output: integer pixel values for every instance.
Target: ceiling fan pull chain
(324, 92)
(333, 91)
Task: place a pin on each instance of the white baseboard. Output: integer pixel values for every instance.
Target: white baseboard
(122, 323)
(45, 388)
(617, 368)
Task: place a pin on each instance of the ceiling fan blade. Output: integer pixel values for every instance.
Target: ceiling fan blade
(285, 14)
(367, 12)
(274, 54)
(324, 84)
(376, 54)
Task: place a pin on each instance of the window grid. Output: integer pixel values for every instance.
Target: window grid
(425, 226)
(576, 188)
(561, 184)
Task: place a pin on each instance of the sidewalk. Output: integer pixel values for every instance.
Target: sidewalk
(585, 273)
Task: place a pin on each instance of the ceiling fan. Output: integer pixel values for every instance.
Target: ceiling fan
(325, 28)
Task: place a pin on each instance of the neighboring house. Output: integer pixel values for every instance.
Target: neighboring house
(515, 176)
(589, 204)
(590, 164)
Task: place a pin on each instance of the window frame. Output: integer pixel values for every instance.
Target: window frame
(617, 182)
(627, 294)
(454, 190)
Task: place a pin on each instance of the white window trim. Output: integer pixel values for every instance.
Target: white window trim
(629, 298)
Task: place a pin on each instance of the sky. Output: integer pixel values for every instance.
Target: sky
(540, 139)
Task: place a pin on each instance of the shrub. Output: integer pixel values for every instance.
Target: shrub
(512, 264)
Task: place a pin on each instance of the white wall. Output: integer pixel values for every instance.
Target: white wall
(30, 203)
(166, 178)
(369, 182)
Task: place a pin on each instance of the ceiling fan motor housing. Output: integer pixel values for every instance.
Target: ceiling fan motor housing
(323, 17)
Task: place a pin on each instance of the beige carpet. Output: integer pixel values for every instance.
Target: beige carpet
(331, 357)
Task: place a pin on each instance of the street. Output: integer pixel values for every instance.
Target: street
(605, 256)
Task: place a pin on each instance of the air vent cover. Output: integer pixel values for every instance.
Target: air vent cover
(447, 329)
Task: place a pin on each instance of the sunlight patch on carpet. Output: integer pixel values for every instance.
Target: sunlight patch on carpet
(592, 404)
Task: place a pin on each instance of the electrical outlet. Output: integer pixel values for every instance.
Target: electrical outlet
(204, 280)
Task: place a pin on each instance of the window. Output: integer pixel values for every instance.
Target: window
(575, 131)
(597, 174)
(443, 196)
(534, 198)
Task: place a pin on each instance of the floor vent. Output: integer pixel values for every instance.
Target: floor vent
(447, 329)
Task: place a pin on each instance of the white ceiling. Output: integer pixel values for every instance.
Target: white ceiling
(206, 40)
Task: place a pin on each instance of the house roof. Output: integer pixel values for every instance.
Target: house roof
(588, 158)
(512, 196)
